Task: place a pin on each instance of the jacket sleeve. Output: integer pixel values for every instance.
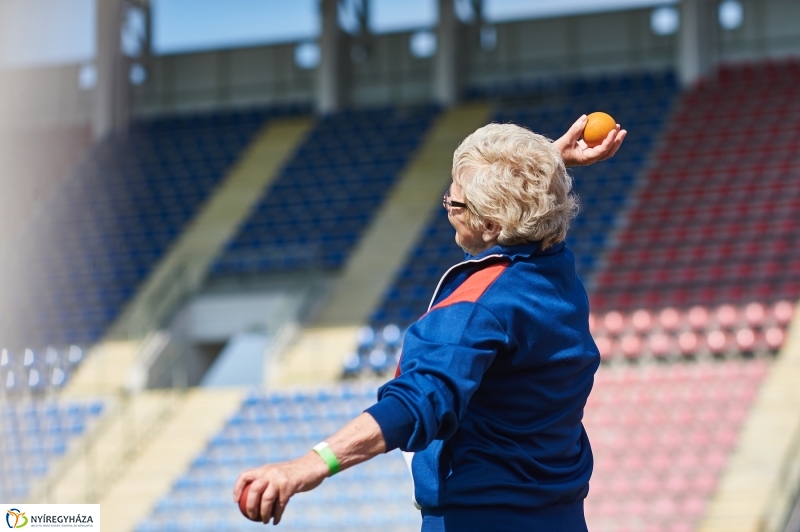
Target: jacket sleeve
(445, 355)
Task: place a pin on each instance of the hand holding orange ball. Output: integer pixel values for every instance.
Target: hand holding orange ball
(590, 139)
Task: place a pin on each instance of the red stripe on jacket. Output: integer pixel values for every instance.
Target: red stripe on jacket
(470, 291)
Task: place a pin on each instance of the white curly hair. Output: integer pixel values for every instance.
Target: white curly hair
(517, 179)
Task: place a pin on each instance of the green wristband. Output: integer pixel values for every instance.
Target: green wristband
(327, 456)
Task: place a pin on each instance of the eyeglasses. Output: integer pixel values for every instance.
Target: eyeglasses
(447, 202)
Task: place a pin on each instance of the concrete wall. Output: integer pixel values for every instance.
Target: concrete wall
(573, 45)
(42, 97)
(224, 78)
(771, 28)
(392, 74)
(529, 49)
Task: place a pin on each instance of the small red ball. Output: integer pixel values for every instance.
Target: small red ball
(243, 502)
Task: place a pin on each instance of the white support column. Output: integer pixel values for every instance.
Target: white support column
(697, 46)
(333, 75)
(447, 86)
(110, 99)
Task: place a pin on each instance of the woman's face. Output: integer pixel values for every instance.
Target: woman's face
(467, 238)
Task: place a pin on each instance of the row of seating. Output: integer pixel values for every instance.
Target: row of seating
(36, 373)
(326, 194)
(35, 433)
(668, 334)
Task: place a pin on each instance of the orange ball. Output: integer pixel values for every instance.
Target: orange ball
(597, 128)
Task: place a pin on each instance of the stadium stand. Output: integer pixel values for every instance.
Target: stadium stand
(661, 436)
(110, 221)
(716, 225)
(33, 435)
(327, 193)
(680, 373)
(640, 101)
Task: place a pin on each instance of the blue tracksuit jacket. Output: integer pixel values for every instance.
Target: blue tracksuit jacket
(490, 393)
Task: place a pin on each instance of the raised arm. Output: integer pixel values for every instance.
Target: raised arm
(575, 152)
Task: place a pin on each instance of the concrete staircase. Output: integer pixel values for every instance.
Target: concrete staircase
(759, 487)
(157, 464)
(317, 353)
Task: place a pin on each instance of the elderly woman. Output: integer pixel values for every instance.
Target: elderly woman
(489, 393)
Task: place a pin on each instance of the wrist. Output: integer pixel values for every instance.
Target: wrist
(317, 465)
(327, 455)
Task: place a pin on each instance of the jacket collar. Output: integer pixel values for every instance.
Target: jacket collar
(518, 251)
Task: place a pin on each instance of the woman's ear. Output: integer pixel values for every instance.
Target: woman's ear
(491, 230)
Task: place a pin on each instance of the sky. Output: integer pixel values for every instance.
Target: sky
(184, 25)
(50, 32)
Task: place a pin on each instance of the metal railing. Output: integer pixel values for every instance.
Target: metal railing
(165, 296)
(102, 467)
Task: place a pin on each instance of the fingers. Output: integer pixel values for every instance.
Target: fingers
(576, 130)
(280, 506)
(268, 501)
(267, 498)
(566, 143)
(604, 150)
(615, 145)
(254, 498)
(244, 479)
(608, 141)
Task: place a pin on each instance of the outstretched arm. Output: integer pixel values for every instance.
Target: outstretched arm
(575, 152)
(272, 485)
